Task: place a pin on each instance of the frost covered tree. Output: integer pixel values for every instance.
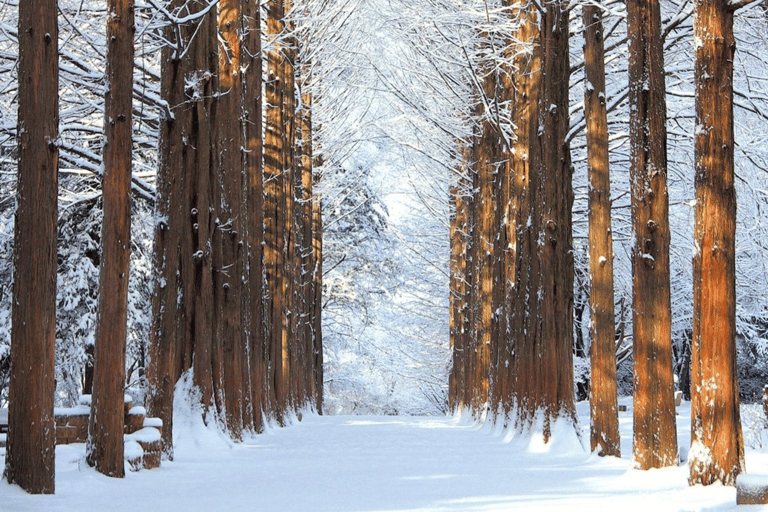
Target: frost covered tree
(30, 453)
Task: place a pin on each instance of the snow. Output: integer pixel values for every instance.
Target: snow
(367, 463)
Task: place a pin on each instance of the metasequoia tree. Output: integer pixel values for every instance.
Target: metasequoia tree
(248, 344)
(655, 432)
(253, 310)
(29, 460)
(521, 299)
(717, 444)
(105, 427)
(604, 426)
(542, 327)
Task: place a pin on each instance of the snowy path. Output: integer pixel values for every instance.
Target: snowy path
(345, 464)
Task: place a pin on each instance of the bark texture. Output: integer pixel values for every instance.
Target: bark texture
(604, 427)
(105, 427)
(717, 444)
(655, 432)
(29, 460)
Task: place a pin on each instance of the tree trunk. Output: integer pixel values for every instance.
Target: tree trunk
(105, 428)
(543, 357)
(459, 293)
(252, 156)
(717, 444)
(29, 460)
(278, 211)
(655, 432)
(604, 425)
(186, 250)
(229, 280)
(317, 297)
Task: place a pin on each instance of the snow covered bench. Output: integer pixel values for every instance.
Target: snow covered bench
(752, 489)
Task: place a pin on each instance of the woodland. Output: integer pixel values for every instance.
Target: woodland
(501, 210)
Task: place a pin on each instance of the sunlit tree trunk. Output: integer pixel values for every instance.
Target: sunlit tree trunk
(29, 460)
(229, 278)
(604, 423)
(105, 428)
(717, 444)
(655, 432)
(252, 162)
(543, 329)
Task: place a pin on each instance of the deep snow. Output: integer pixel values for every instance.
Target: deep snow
(364, 463)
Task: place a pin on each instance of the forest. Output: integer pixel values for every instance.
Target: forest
(499, 211)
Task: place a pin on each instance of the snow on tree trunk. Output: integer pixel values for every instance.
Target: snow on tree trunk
(604, 427)
(717, 444)
(655, 432)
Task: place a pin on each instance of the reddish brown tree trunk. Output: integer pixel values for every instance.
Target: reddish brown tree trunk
(105, 428)
(655, 432)
(29, 460)
(717, 444)
(229, 281)
(543, 359)
(252, 121)
(186, 248)
(604, 425)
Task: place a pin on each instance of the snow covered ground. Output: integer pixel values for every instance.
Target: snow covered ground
(363, 463)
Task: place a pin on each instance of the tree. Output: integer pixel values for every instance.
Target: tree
(181, 335)
(30, 452)
(655, 432)
(717, 444)
(604, 428)
(543, 327)
(105, 427)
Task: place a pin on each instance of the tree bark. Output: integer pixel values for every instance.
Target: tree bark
(105, 427)
(655, 432)
(30, 453)
(717, 444)
(183, 319)
(252, 156)
(229, 279)
(604, 425)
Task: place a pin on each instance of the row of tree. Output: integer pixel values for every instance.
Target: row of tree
(512, 259)
(237, 258)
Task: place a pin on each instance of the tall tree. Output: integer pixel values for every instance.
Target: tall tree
(29, 460)
(183, 319)
(229, 274)
(542, 320)
(655, 432)
(717, 444)
(105, 428)
(604, 425)
(253, 309)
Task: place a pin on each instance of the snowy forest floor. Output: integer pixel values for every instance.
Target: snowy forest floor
(365, 463)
